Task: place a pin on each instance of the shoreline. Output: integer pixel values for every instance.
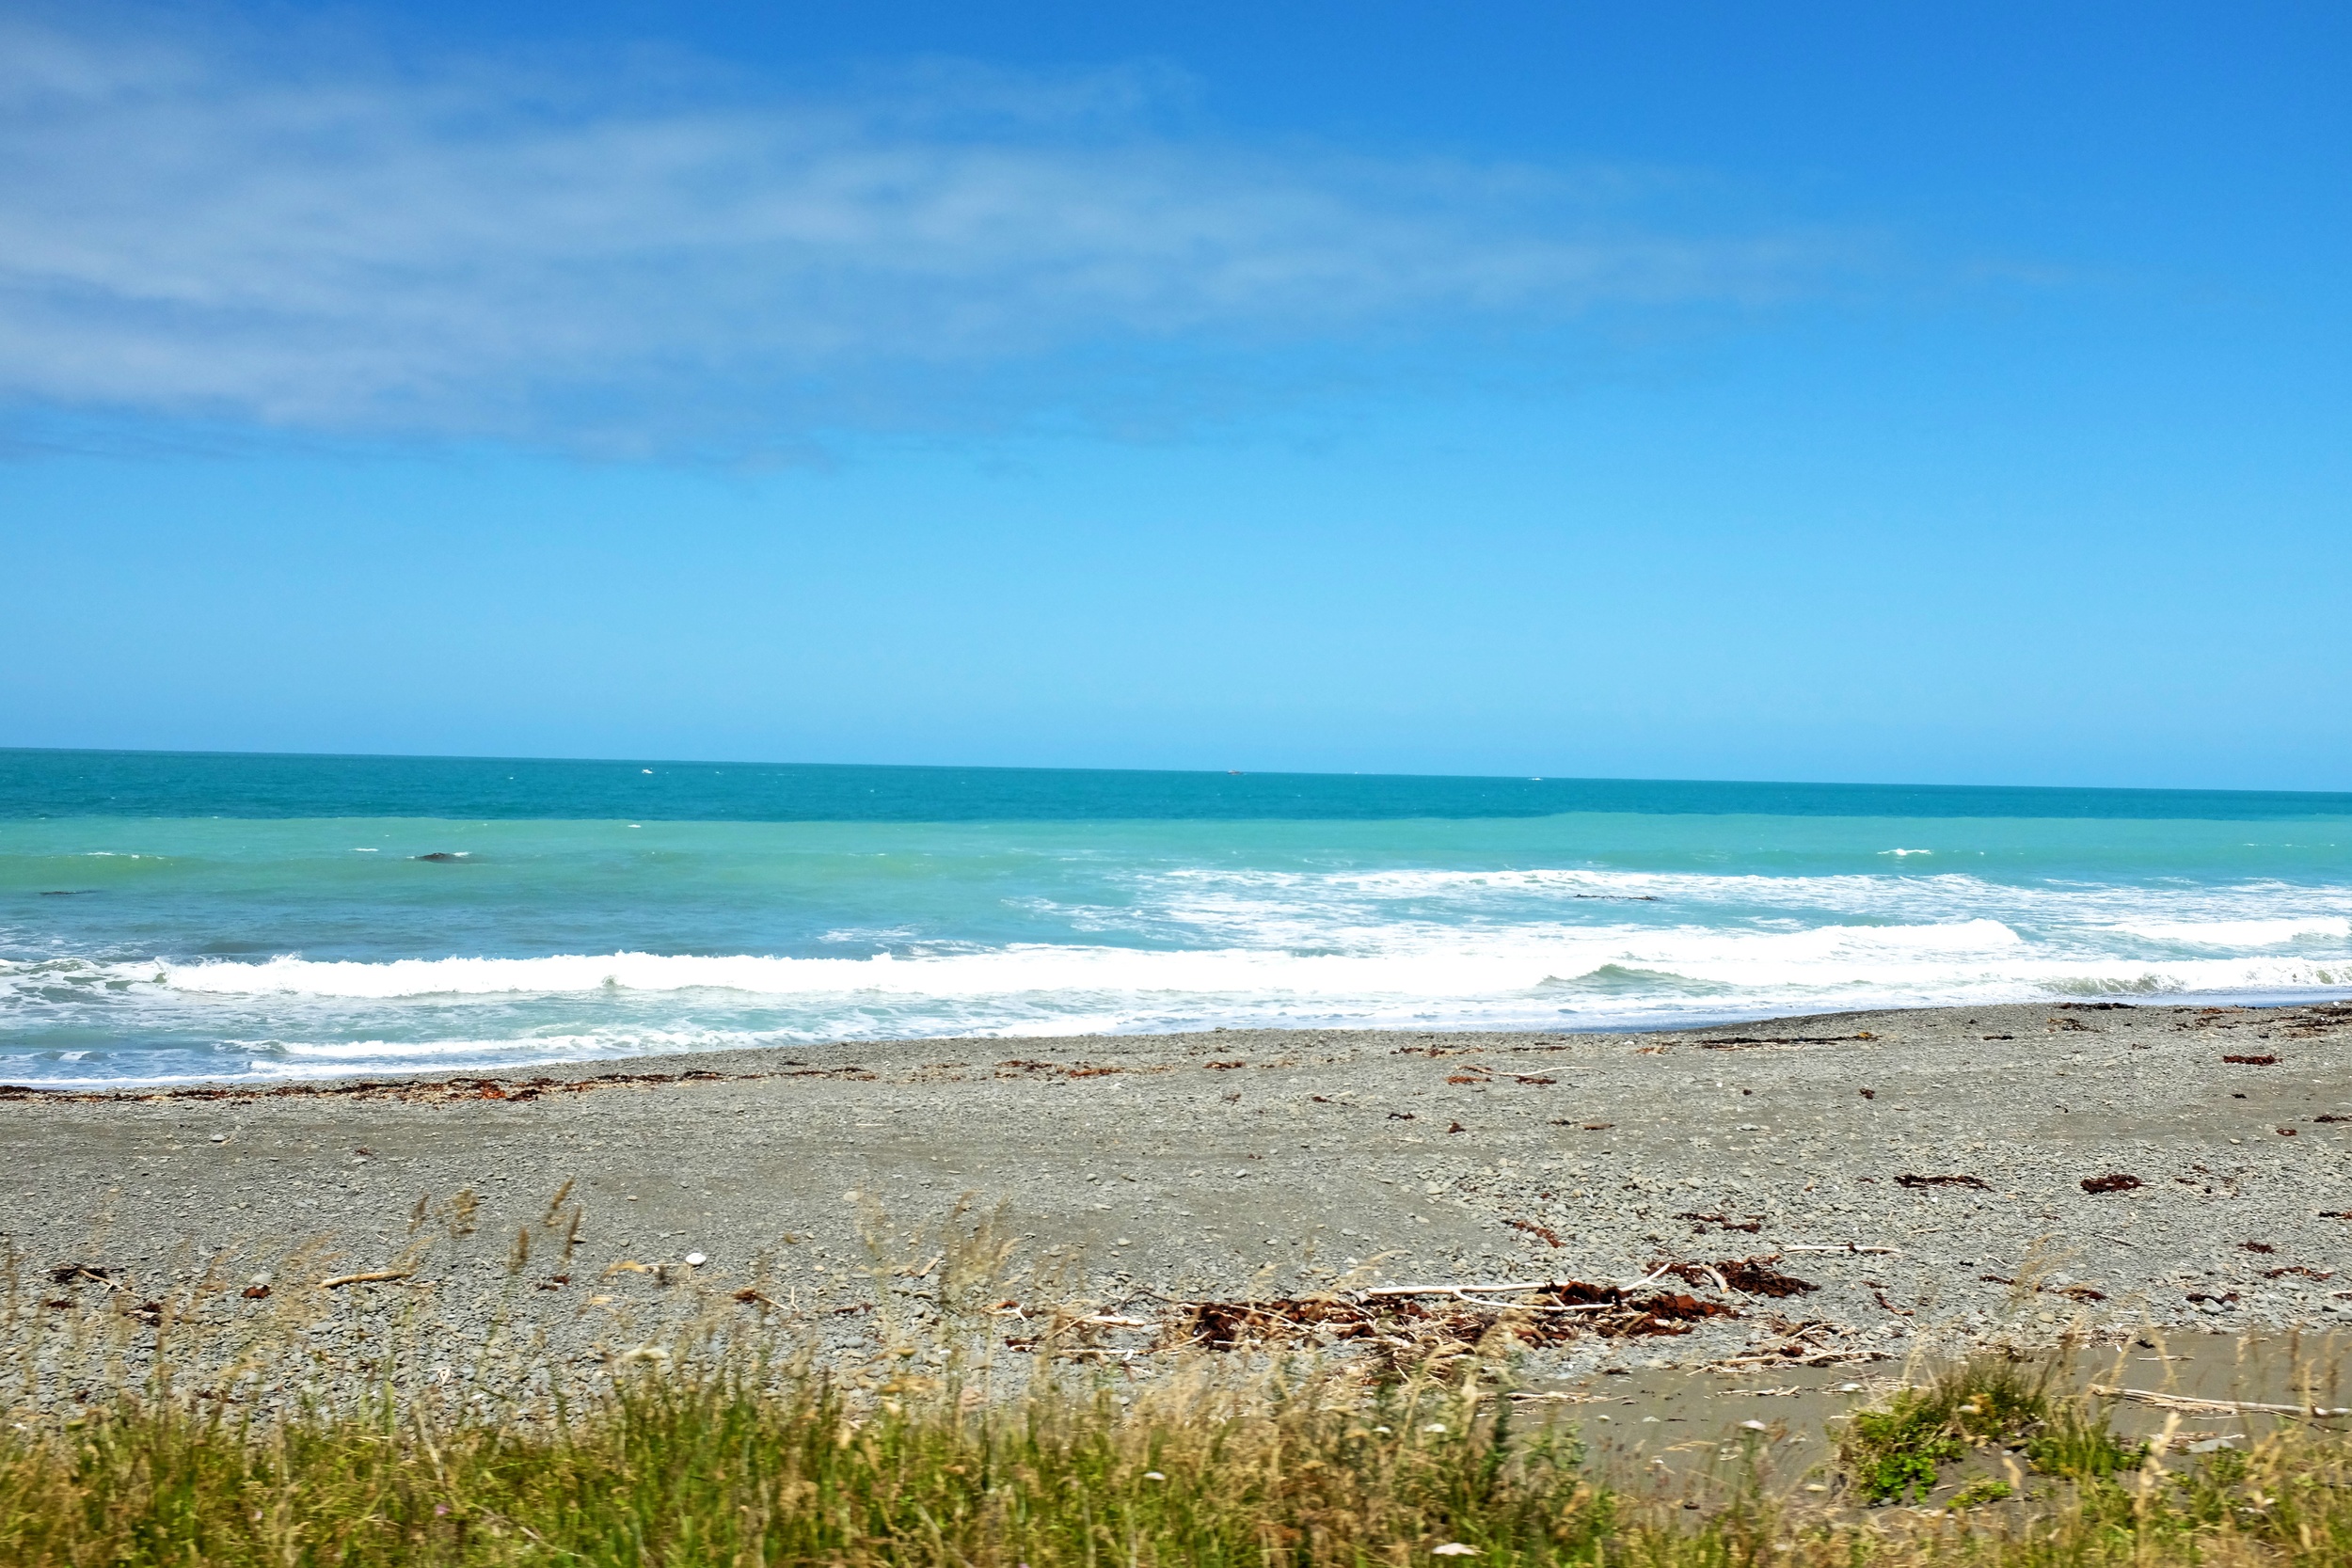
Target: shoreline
(664, 1067)
(1137, 1171)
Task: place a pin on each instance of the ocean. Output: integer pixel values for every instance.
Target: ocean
(167, 917)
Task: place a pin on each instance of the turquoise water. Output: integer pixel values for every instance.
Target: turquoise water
(164, 917)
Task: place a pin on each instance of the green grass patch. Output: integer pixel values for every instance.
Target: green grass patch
(1897, 1452)
(1984, 1489)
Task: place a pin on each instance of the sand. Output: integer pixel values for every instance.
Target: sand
(1136, 1171)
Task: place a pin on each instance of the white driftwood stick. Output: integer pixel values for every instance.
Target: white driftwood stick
(1845, 1246)
(2214, 1407)
(1547, 1284)
(1460, 1289)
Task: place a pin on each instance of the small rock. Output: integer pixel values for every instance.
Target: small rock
(695, 1260)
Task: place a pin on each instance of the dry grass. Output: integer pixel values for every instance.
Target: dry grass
(212, 1430)
(692, 1469)
(1295, 1464)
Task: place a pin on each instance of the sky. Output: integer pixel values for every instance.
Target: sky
(1801, 391)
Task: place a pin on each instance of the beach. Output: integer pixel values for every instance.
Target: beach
(1960, 1176)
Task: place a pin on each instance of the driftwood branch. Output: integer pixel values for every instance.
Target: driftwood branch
(375, 1276)
(1814, 1359)
(1460, 1289)
(1846, 1248)
(2216, 1407)
(1522, 1306)
(1464, 1293)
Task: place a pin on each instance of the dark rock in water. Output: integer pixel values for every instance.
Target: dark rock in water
(443, 855)
(66, 892)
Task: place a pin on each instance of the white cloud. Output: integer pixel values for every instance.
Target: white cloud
(188, 230)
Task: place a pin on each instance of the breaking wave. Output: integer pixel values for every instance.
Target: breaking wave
(1460, 967)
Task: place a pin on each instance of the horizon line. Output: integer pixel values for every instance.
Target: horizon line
(1180, 773)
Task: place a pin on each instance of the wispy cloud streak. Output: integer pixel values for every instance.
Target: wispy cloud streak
(184, 231)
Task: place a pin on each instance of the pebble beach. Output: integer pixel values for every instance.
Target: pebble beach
(1938, 1177)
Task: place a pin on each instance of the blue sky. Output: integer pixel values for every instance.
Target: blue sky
(1818, 392)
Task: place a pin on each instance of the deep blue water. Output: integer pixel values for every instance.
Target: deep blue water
(43, 783)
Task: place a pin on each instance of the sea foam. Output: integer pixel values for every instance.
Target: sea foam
(1961, 961)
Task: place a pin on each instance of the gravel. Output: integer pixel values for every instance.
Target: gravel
(1245, 1163)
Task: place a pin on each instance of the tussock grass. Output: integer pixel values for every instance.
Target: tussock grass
(714, 1467)
(1897, 1450)
(1294, 1463)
